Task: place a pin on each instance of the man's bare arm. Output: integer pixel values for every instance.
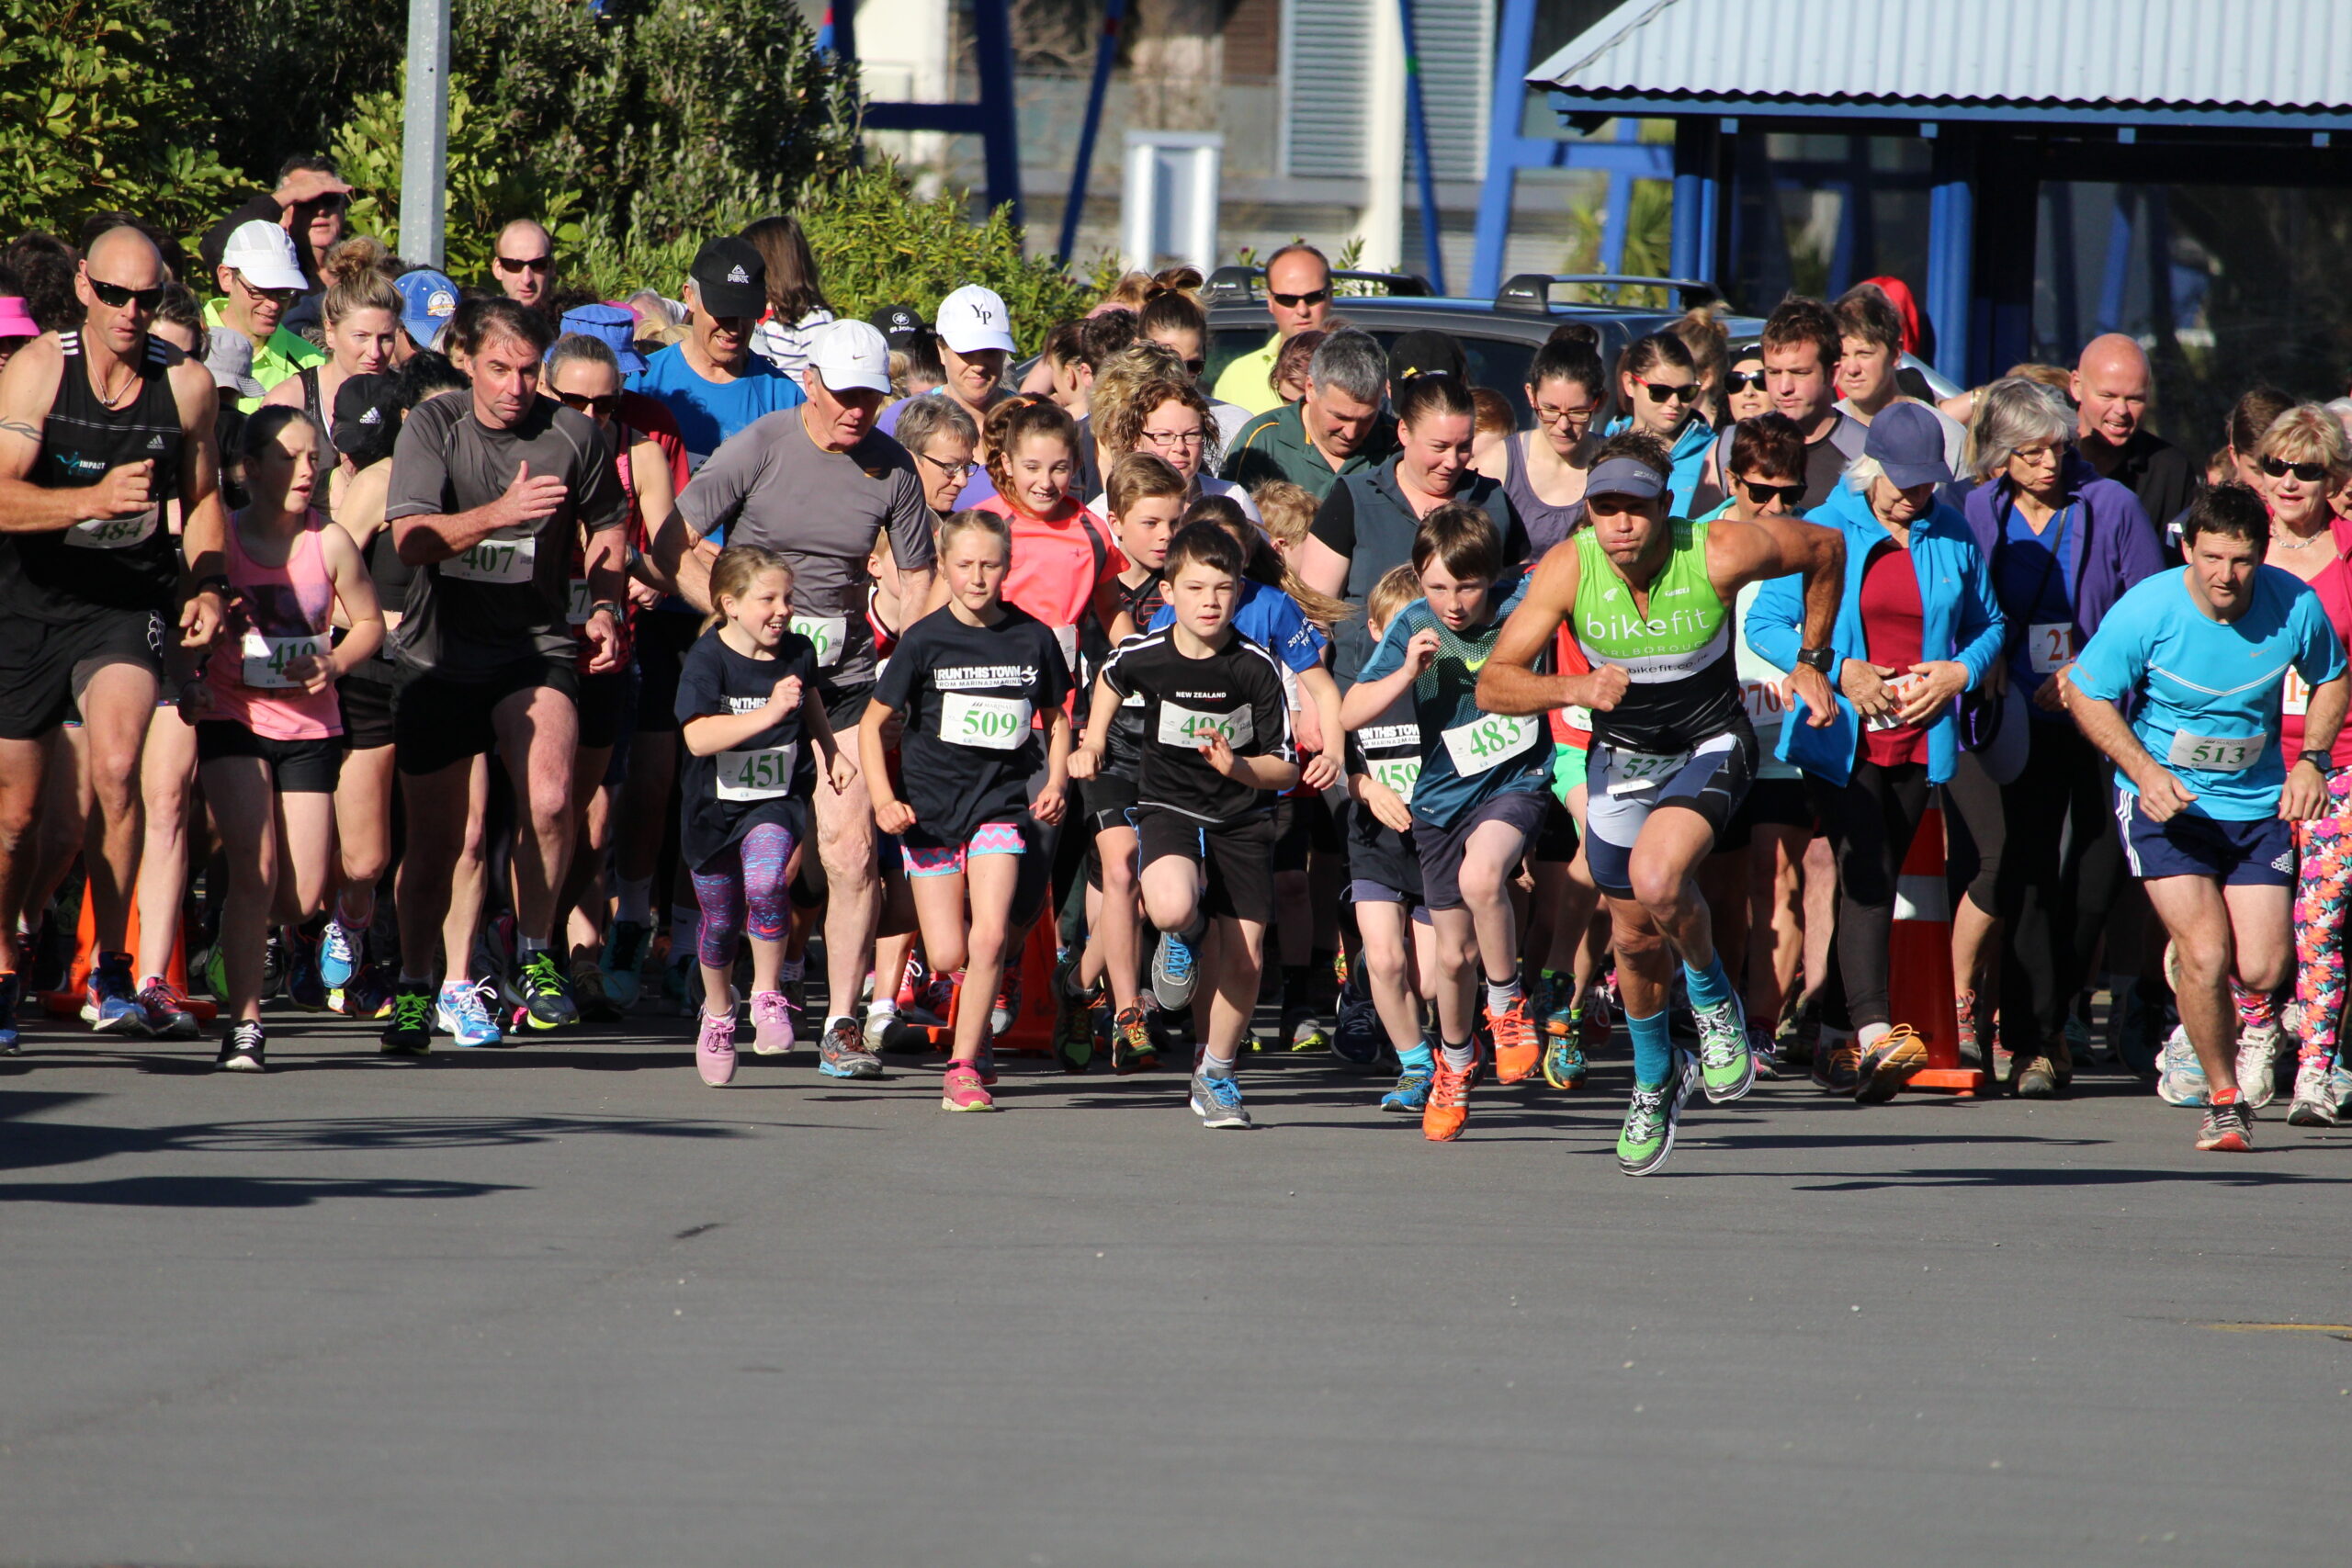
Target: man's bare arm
(1775, 546)
(1510, 683)
(27, 390)
(2324, 717)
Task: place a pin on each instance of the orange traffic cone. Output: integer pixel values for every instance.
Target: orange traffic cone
(1920, 955)
(1031, 1033)
(67, 1003)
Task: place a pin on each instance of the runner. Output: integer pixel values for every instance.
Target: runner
(1672, 750)
(101, 427)
(2205, 650)
(488, 493)
(268, 732)
(523, 264)
(710, 380)
(979, 684)
(362, 313)
(260, 279)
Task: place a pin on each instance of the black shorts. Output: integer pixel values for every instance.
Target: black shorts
(1110, 800)
(1623, 787)
(661, 639)
(367, 698)
(607, 705)
(437, 723)
(43, 667)
(1770, 803)
(1379, 856)
(1302, 826)
(1442, 848)
(844, 705)
(299, 767)
(1239, 859)
(1555, 840)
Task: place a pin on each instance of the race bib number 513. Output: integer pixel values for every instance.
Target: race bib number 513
(2214, 755)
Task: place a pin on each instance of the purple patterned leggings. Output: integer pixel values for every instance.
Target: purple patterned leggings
(747, 876)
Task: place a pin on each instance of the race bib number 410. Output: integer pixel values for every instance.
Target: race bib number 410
(264, 659)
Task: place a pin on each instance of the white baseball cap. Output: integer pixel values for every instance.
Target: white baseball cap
(974, 318)
(853, 354)
(262, 254)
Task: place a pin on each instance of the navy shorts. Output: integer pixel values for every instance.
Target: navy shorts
(2260, 853)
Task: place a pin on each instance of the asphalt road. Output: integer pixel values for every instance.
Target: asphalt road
(565, 1305)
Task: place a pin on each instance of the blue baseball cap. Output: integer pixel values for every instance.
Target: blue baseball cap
(1907, 441)
(613, 325)
(427, 302)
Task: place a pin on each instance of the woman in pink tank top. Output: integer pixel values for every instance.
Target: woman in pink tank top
(268, 730)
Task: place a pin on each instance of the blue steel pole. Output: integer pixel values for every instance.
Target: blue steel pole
(1417, 118)
(1105, 53)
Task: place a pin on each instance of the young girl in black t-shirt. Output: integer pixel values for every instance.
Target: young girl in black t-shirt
(980, 684)
(747, 699)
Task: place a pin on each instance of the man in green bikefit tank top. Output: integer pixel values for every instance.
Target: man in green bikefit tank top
(1648, 598)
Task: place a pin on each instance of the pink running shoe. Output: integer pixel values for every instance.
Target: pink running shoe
(773, 1027)
(714, 1049)
(962, 1089)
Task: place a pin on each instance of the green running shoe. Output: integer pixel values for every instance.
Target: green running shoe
(1564, 1062)
(1725, 1063)
(1651, 1118)
(547, 994)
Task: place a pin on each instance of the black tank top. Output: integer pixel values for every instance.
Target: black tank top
(391, 577)
(320, 415)
(120, 563)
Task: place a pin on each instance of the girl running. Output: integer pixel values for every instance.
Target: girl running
(980, 684)
(268, 730)
(747, 693)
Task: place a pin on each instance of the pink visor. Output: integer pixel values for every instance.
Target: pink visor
(14, 320)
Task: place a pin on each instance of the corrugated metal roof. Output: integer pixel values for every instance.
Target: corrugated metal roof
(2293, 54)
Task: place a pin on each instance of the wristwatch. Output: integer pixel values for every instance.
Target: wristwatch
(2322, 760)
(217, 582)
(1822, 658)
(612, 605)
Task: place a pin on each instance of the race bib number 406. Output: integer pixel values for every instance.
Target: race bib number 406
(1190, 727)
(1489, 740)
(2215, 754)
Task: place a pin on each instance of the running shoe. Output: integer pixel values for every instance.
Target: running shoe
(241, 1048)
(1449, 1098)
(11, 992)
(168, 1017)
(961, 1090)
(2037, 1078)
(2180, 1077)
(1765, 1051)
(339, 951)
(1970, 1037)
(1217, 1101)
(842, 1053)
(986, 1061)
(1074, 1023)
(2229, 1125)
(1357, 1039)
(1651, 1118)
(715, 1047)
(773, 1029)
(2339, 1079)
(2136, 1027)
(1726, 1065)
(546, 995)
(2315, 1103)
(1173, 974)
(1304, 1031)
(1131, 1048)
(1889, 1064)
(463, 1010)
(274, 962)
(367, 996)
(680, 989)
(1837, 1062)
(304, 989)
(925, 996)
(410, 1032)
(1556, 997)
(1519, 1049)
(1600, 1022)
(2258, 1050)
(109, 1004)
(880, 1019)
(1410, 1095)
(623, 962)
(1006, 1010)
(215, 970)
(1564, 1062)
(588, 993)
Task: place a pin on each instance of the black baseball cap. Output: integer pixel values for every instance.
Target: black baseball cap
(1426, 352)
(899, 322)
(367, 416)
(730, 278)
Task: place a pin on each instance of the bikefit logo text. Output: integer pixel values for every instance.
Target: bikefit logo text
(1605, 629)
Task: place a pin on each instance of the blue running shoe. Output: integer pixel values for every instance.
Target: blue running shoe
(623, 958)
(1173, 973)
(339, 953)
(464, 1010)
(1411, 1095)
(109, 1001)
(11, 990)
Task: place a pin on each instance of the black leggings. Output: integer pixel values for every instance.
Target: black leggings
(2060, 878)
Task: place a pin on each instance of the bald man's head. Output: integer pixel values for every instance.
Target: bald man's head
(124, 263)
(524, 266)
(2111, 386)
(115, 255)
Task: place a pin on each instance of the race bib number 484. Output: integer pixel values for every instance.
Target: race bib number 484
(114, 533)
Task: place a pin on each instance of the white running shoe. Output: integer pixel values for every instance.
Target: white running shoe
(2259, 1046)
(2180, 1078)
(2315, 1103)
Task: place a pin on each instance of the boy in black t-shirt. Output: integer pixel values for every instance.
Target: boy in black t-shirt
(1216, 750)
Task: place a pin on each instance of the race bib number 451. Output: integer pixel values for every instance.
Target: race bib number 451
(1190, 727)
(760, 774)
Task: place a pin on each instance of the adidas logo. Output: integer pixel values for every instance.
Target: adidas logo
(737, 275)
(154, 444)
(373, 416)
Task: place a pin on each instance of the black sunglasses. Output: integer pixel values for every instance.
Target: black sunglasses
(1659, 391)
(596, 407)
(114, 296)
(1743, 380)
(1197, 366)
(1764, 495)
(524, 264)
(2310, 473)
(1293, 302)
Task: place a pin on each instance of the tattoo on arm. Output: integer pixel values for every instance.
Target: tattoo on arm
(19, 427)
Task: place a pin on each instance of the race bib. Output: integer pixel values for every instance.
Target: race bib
(1629, 772)
(2295, 697)
(1189, 727)
(2215, 755)
(114, 533)
(264, 659)
(495, 560)
(1577, 718)
(993, 724)
(1066, 636)
(826, 634)
(577, 604)
(1489, 739)
(1901, 689)
(2051, 644)
(1762, 700)
(1400, 774)
(761, 774)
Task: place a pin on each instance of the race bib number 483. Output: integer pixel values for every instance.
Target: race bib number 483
(1487, 741)
(1190, 727)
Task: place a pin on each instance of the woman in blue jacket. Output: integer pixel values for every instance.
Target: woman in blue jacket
(1917, 627)
(1659, 392)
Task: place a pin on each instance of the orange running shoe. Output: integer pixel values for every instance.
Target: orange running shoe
(1518, 1048)
(1449, 1105)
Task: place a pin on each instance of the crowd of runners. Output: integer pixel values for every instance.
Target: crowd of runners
(481, 662)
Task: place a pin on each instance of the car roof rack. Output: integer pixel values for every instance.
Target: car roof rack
(1530, 292)
(1236, 285)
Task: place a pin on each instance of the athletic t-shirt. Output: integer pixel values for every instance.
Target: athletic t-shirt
(1390, 748)
(1055, 567)
(1123, 743)
(505, 599)
(764, 779)
(1468, 755)
(709, 412)
(1236, 691)
(970, 696)
(1272, 619)
(2032, 577)
(2210, 690)
(773, 487)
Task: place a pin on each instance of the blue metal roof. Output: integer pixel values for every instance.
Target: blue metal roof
(2245, 62)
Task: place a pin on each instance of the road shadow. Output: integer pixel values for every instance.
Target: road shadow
(235, 1191)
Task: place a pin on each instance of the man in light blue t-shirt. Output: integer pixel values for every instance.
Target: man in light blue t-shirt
(2204, 798)
(712, 383)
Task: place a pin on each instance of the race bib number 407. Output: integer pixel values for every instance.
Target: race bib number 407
(495, 560)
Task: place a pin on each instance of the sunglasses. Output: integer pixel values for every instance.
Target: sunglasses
(283, 296)
(1660, 392)
(1194, 367)
(1546, 414)
(1744, 380)
(2310, 473)
(114, 296)
(1764, 495)
(596, 407)
(512, 264)
(1293, 302)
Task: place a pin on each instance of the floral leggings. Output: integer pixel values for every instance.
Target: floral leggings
(2323, 900)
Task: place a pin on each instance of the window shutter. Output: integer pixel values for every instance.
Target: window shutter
(1327, 53)
(1457, 40)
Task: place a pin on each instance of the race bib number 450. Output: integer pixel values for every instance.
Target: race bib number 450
(2215, 754)
(1487, 741)
(1190, 727)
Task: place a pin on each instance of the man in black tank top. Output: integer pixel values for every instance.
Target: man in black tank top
(102, 430)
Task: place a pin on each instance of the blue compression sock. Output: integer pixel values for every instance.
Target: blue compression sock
(1709, 987)
(1653, 1049)
(1417, 1058)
